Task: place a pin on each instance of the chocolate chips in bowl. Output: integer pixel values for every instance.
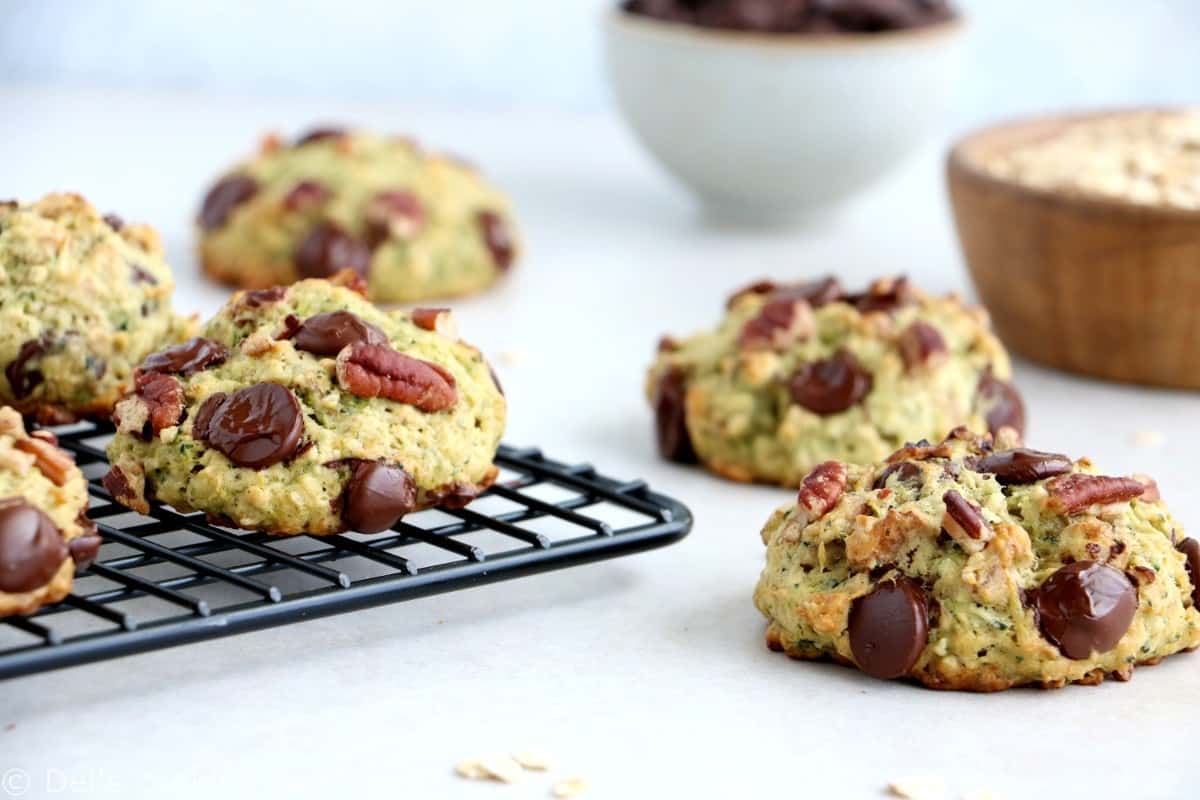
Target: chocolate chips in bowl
(798, 16)
(774, 112)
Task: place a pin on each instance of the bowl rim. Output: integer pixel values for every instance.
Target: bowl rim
(935, 33)
(957, 161)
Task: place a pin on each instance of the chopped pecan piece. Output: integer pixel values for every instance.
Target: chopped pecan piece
(51, 462)
(125, 489)
(820, 491)
(1151, 495)
(884, 295)
(1070, 494)
(157, 403)
(779, 324)
(920, 451)
(921, 345)
(376, 370)
(965, 523)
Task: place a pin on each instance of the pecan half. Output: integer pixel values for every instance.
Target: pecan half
(1070, 494)
(159, 400)
(820, 491)
(51, 462)
(376, 370)
(921, 345)
(965, 523)
(1152, 494)
(779, 324)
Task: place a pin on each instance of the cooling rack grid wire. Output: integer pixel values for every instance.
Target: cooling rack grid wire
(168, 579)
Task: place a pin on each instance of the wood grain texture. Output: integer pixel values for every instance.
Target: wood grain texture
(1088, 285)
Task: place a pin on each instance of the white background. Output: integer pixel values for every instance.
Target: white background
(646, 675)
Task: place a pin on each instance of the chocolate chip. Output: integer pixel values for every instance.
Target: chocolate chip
(31, 548)
(497, 238)
(921, 344)
(188, 358)
(305, 195)
(85, 548)
(888, 628)
(261, 297)
(23, 380)
(326, 334)
(141, 275)
(905, 471)
(377, 496)
(1021, 465)
(670, 417)
(225, 196)
(317, 134)
(831, 385)
(254, 427)
(328, 249)
(1000, 403)
(1085, 608)
(113, 221)
(1191, 562)
(393, 215)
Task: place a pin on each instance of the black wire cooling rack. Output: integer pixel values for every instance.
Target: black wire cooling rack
(168, 579)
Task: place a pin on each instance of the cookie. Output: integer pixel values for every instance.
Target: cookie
(413, 224)
(307, 409)
(798, 374)
(83, 299)
(979, 566)
(45, 535)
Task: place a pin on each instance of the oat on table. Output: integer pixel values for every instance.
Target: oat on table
(980, 566)
(83, 298)
(415, 225)
(306, 409)
(798, 374)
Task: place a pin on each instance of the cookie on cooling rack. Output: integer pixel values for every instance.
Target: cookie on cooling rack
(306, 409)
(414, 224)
(965, 565)
(45, 534)
(83, 299)
(798, 374)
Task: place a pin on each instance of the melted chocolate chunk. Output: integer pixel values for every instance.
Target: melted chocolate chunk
(831, 385)
(305, 195)
(22, 379)
(114, 221)
(188, 358)
(317, 134)
(1021, 465)
(326, 334)
(670, 417)
(498, 239)
(377, 496)
(1085, 608)
(905, 472)
(261, 297)
(31, 547)
(888, 628)
(1191, 562)
(1001, 404)
(328, 249)
(85, 548)
(223, 198)
(254, 427)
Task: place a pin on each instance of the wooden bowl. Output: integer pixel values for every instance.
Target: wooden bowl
(1090, 285)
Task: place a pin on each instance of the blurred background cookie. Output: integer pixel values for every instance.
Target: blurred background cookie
(415, 225)
(83, 298)
(798, 374)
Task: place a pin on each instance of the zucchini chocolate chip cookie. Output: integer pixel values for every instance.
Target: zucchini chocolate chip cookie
(798, 374)
(83, 299)
(309, 410)
(45, 534)
(415, 225)
(965, 565)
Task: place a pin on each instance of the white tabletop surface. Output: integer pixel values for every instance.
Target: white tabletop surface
(645, 675)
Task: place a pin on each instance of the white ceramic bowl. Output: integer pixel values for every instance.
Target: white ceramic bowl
(767, 128)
